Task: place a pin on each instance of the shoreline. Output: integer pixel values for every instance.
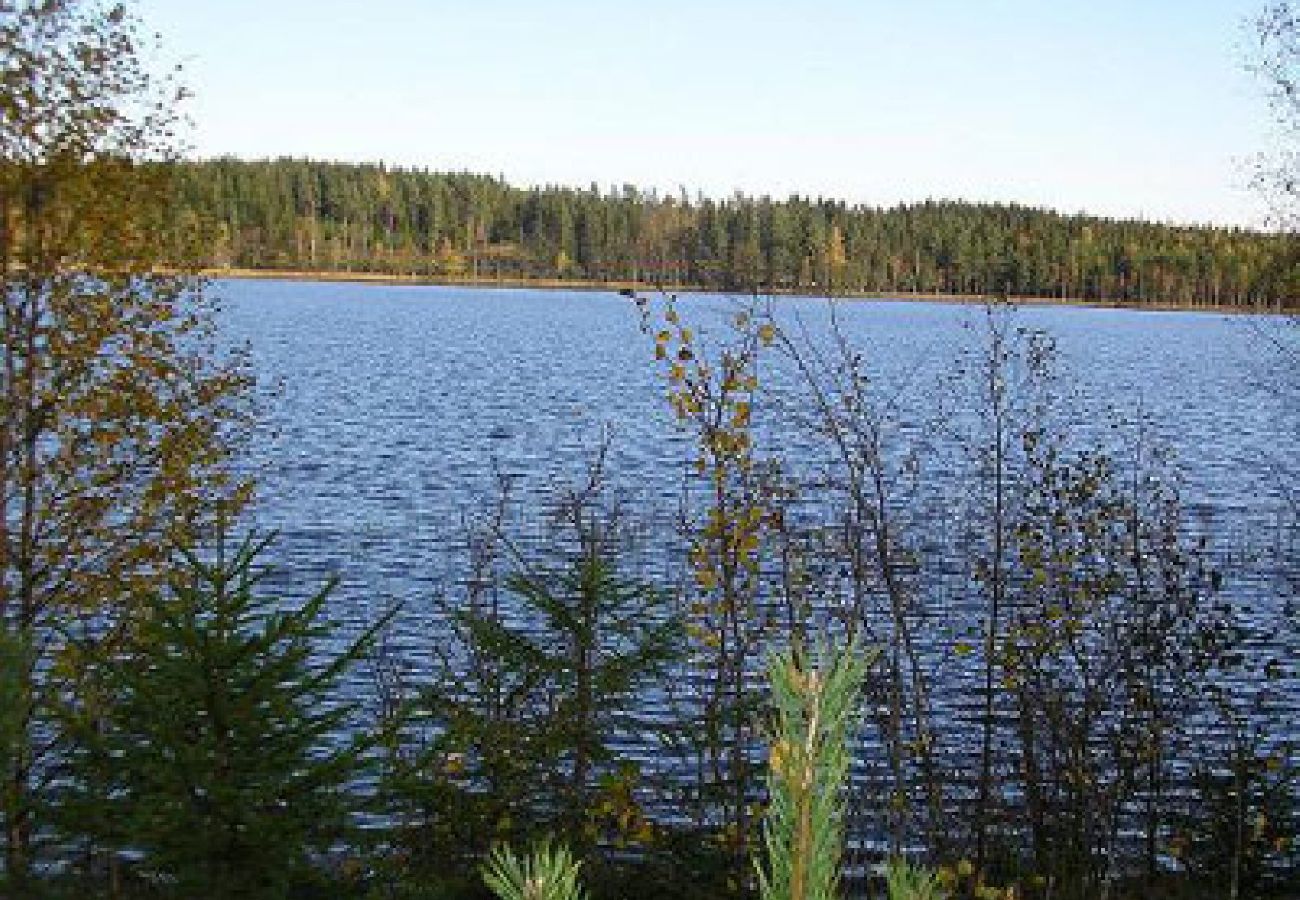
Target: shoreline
(565, 284)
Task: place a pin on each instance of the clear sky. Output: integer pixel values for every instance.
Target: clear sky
(1118, 107)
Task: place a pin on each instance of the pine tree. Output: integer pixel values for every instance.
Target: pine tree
(817, 708)
(547, 873)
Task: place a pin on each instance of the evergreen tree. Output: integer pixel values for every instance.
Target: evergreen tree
(524, 719)
(816, 713)
(740, 243)
(208, 751)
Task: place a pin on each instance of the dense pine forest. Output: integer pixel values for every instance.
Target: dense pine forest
(333, 217)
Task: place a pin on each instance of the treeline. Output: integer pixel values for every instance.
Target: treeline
(307, 215)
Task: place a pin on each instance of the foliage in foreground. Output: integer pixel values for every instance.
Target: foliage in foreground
(816, 704)
(513, 734)
(906, 881)
(208, 756)
(547, 873)
(816, 701)
(118, 414)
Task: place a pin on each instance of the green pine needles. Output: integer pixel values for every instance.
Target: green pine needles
(905, 881)
(816, 702)
(548, 873)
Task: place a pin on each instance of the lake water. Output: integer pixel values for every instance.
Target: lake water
(395, 408)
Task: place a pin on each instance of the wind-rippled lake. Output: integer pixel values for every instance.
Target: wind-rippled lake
(391, 413)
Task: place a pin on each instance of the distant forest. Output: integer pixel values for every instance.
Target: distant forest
(294, 214)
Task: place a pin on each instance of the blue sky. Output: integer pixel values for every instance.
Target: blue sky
(1118, 107)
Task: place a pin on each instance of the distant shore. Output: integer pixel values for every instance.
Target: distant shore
(570, 284)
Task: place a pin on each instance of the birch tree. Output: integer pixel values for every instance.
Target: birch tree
(117, 414)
